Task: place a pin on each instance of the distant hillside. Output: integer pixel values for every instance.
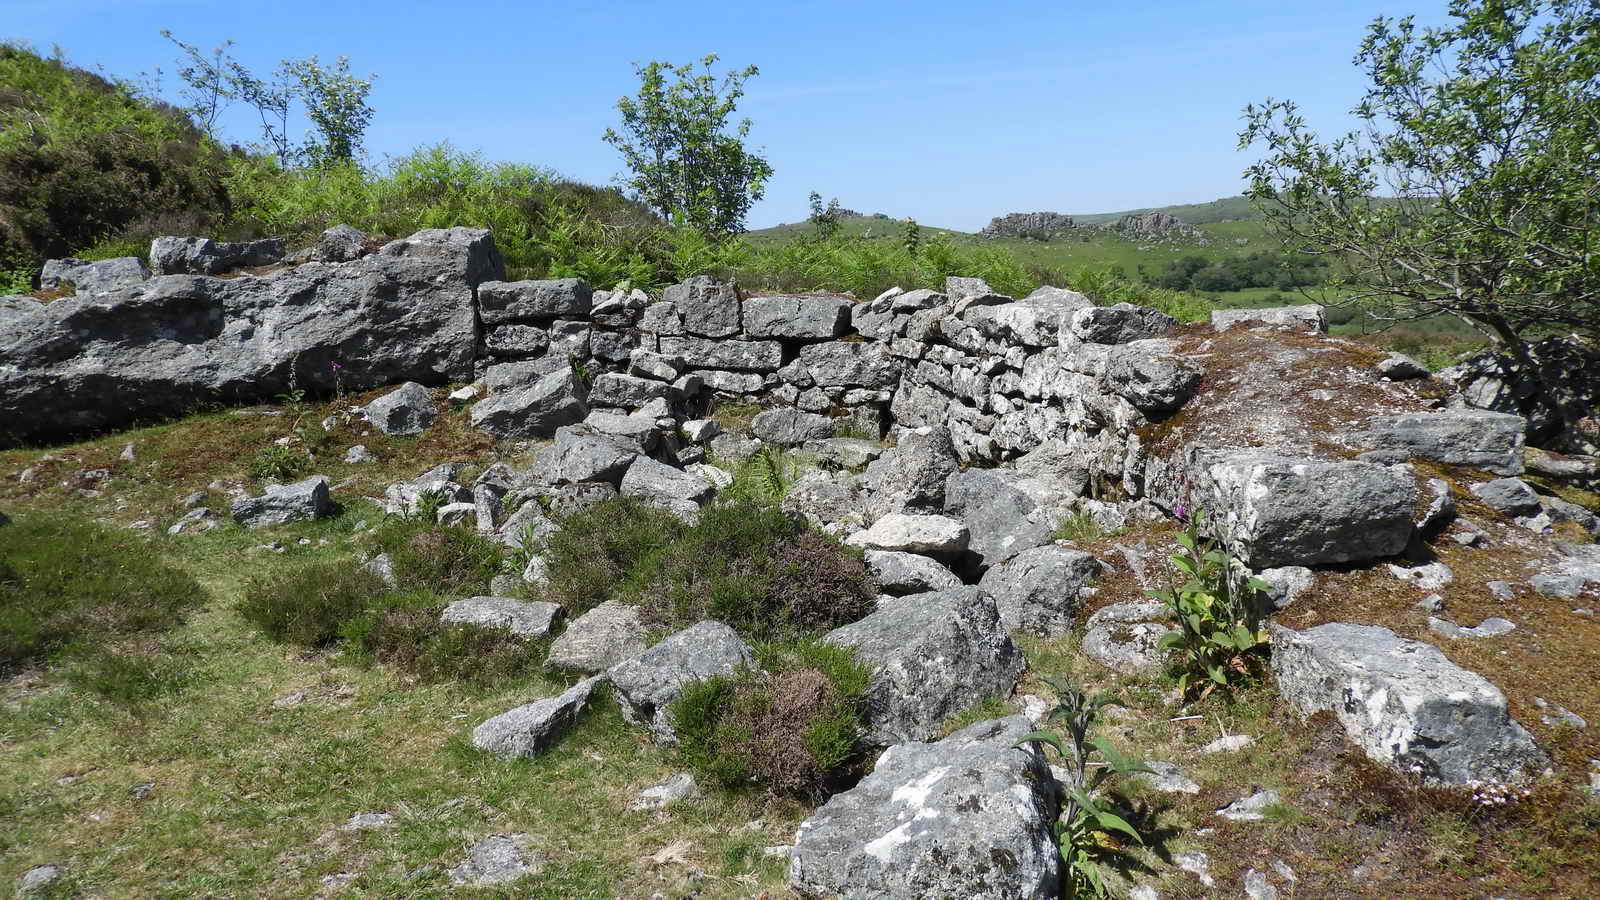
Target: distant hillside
(1227, 209)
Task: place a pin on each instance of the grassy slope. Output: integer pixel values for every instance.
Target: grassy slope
(250, 788)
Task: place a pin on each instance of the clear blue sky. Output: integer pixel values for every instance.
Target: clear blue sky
(951, 112)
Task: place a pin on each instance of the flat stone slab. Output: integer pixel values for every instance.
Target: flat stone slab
(1404, 703)
(913, 534)
(900, 573)
(969, 816)
(521, 618)
(598, 639)
(1463, 437)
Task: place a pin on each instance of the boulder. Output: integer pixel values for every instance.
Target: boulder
(1034, 321)
(203, 256)
(341, 243)
(404, 411)
(529, 730)
(1038, 590)
(1149, 375)
(598, 639)
(1404, 703)
(510, 301)
(495, 860)
(969, 816)
(523, 619)
(706, 307)
(1398, 366)
(580, 455)
(663, 485)
(1119, 324)
(912, 476)
(282, 503)
(636, 431)
(928, 535)
(1124, 637)
(830, 501)
(841, 364)
(88, 278)
(845, 452)
(554, 400)
(899, 573)
(1282, 511)
(931, 656)
(814, 317)
(1461, 437)
(160, 348)
(1308, 319)
(646, 685)
(788, 427)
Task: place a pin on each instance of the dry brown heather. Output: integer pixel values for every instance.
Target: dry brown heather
(267, 751)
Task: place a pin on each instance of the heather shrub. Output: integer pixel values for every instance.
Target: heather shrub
(447, 561)
(791, 724)
(308, 605)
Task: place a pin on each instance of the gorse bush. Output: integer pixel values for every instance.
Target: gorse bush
(68, 582)
(791, 724)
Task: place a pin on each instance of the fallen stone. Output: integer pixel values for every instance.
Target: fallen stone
(523, 619)
(661, 484)
(968, 816)
(295, 502)
(497, 859)
(88, 278)
(1428, 577)
(529, 730)
(1229, 743)
(1285, 584)
(1124, 637)
(646, 685)
(931, 656)
(556, 399)
(599, 639)
(1308, 319)
(403, 411)
(40, 879)
(1167, 778)
(1462, 437)
(1511, 496)
(580, 455)
(1252, 808)
(1404, 703)
(677, 788)
(359, 455)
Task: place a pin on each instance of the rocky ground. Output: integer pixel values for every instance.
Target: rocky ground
(1012, 472)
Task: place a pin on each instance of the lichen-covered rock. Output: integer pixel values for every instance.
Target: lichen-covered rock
(626, 391)
(509, 301)
(968, 816)
(1149, 375)
(646, 685)
(404, 411)
(556, 399)
(282, 503)
(1404, 703)
(598, 639)
(843, 364)
(705, 306)
(911, 477)
(204, 256)
(1039, 589)
(1119, 324)
(935, 535)
(1462, 437)
(739, 356)
(1283, 511)
(1511, 496)
(1000, 517)
(661, 484)
(931, 655)
(529, 730)
(1308, 319)
(404, 313)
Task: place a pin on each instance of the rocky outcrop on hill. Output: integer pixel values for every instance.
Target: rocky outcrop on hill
(1039, 226)
(1155, 225)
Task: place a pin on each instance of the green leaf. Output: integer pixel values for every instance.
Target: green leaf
(1112, 822)
(1044, 737)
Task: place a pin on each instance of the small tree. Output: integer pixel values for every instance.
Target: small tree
(1484, 137)
(825, 219)
(686, 163)
(336, 104)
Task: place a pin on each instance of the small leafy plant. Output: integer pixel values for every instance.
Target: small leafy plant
(1086, 818)
(1219, 639)
(277, 464)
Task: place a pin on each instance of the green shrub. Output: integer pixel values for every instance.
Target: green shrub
(791, 724)
(447, 561)
(755, 569)
(309, 605)
(277, 464)
(406, 633)
(65, 581)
